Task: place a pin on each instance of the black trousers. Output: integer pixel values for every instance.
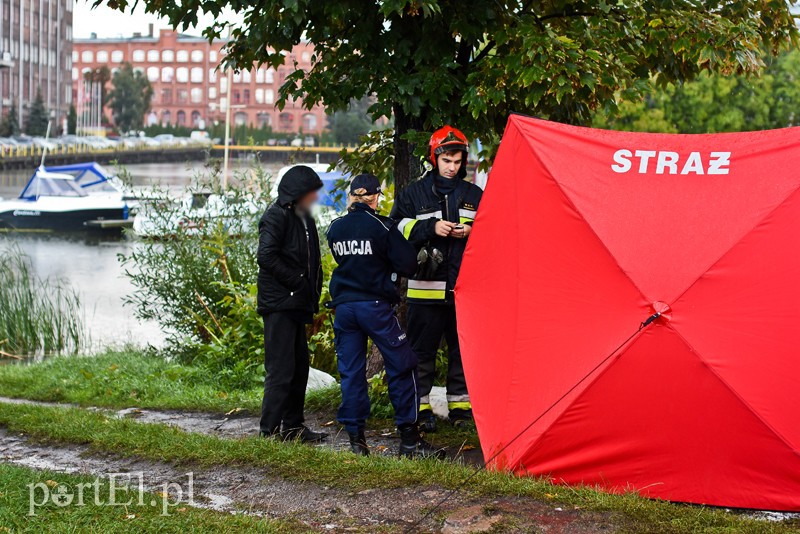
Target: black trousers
(286, 362)
(427, 325)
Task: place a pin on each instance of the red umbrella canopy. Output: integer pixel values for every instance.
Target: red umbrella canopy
(584, 234)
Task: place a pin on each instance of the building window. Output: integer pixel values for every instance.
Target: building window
(223, 84)
(247, 76)
(212, 93)
(117, 56)
(196, 120)
(237, 77)
(182, 96)
(152, 55)
(237, 97)
(197, 75)
(152, 74)
(223, 103)
(309, 122)
(74, 54)
(197, 56)
(102, 56)
(138, 55)
(166, 118)
(167, 74)
(167, 56)
(260, 76)
(269, 96)
(246, 96)
(259, 96)
(197, 95)
(166, 96)
(285, 120)
(264, 120)
(182, 74)
(240, 118)
(87, 56)
(74, 74)
(180, 118)
(182, 56)
(212, 56)
(270, 78)
(212, 75)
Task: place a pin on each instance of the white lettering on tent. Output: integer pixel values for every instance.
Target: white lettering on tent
(668, 162)
(719, 163)
(693, 164)
(621, 161)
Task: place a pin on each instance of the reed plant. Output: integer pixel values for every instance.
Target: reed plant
(37, 315)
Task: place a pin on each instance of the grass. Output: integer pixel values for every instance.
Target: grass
(328, 468)
(36, 315)
(123, 379)
(138, 379)
(15, 494)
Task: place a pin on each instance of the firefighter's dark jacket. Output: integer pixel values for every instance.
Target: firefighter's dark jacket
(416, 211)
(371, 254)
(290, 273)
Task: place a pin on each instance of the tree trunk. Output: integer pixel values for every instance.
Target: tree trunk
(407, 167)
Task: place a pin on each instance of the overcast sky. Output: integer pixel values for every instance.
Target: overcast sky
(106, 22)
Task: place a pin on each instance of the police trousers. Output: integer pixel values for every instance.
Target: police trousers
(354, 323)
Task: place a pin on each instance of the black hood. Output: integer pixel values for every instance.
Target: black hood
(297, 181)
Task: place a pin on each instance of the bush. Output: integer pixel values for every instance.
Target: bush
(198, 278)
(36, 315)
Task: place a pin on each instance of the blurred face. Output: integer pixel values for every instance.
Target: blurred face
(307, 201)
(449, 163)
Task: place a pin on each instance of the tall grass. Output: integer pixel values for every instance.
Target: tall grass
(37, 316)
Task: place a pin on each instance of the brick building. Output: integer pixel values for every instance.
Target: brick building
(188, 90)
(35, 55)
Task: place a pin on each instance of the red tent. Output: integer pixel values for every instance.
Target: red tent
(582, 235)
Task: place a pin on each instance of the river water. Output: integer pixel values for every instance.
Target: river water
(89, 263)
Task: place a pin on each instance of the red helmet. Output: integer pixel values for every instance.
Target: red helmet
(445, 139)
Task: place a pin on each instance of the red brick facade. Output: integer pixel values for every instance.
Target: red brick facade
(189, 91)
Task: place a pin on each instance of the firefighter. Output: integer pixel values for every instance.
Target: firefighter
(435, 214)
(371, 254)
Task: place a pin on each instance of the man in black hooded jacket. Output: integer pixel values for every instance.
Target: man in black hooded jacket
(289, 288)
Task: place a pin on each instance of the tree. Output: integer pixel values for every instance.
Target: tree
(430, 62)
(129, 99)
(718, 103)
(348, 126)
(38, 117)
(72, 120)
(9, 125)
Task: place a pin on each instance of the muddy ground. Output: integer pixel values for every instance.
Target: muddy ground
(239, 489)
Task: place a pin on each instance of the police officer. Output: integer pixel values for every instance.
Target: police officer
(371, 254)
(435, 215)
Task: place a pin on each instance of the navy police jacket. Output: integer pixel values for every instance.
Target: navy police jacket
(371, 254)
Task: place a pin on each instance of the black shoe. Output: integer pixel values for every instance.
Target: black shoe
(427, 421)
(358, 443)
(303, 434)
(413, 446)
(462, 419)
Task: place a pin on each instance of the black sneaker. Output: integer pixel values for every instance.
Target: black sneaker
(427, 421)
(303, 434)
(462, 419)
(413, 446)
(358, 443)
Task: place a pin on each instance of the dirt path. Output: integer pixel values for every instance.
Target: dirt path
(254, 491)
(383, 441)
